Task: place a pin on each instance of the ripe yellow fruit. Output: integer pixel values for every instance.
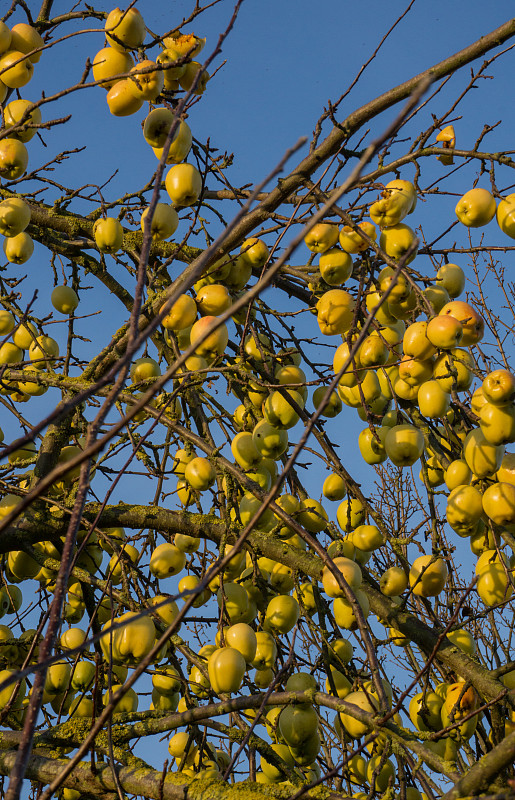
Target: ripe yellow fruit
(476, 208)
(122, 102)
(109, 62)
(108, 235)
(125, 29)
(321, 237)
(335, 311)
(184, 184)
(428, 576)
(350, 571)
(64, 299)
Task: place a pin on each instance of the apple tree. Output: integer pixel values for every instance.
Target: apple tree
(257, 511)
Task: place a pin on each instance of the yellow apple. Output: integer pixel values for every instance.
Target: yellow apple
(184, 184)
(122, 102)
(323, 236)
(226, 668)
(14, 158)
(215, 343)
(393, 582)
(497, 423)
(432, 400)
(397, 240)
(404, 444)
(458, 473)
(164, 222)
(472, 322)
(181, 315)
(146, 81)
(335, 266)
(14, 216)
(125, 29)
(448, 139)
(25, 38)
(180, 145)
(108, 235)
(109, 62)
(15, 69)
(499, 504)
(64, 299)
(483, 458)
(464, 509)
(476, 208)
(255, 252)
(350, 239)
(398, 199)
(452, 277)
(18, 249)
(428, 576)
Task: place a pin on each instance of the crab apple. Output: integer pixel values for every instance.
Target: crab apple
(108, 235)
(334, 487)
(350, 239)
(464, 509)
(334, 405)
(184, 184)
(393, 582)
(438, 296)
(476, 208)
(371, 445)
(415, 342)
(453, 370)
(404, 444)
(125, 30)
(164, 222)
(121, 100)
(14, 158)
(181, 315)
(335, 266)
(18, 249)
(109, 62)
(350, 514)
(483, 458)
(180, 145)
(282, 613)
(472, 322)
(323, 236)
(64, 299)
(226, 668)
(168, 58)
(499, 504)
(398, 199)
(458, 473)
(166, 560)
(146, 80)
(498, 386)
(254, 252)
(16, 70)
(365, 702)
(213, 299)
(428, 576)
(271, 442)
(498, 423)
(43, 350)
(214, 343)
(397, 240)
(452, 278)
(312, 515)
(335, 311)
(194, 76)
(432, 400)
(350, 571)
(14, 216)
(200, 473)
(506, 472)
